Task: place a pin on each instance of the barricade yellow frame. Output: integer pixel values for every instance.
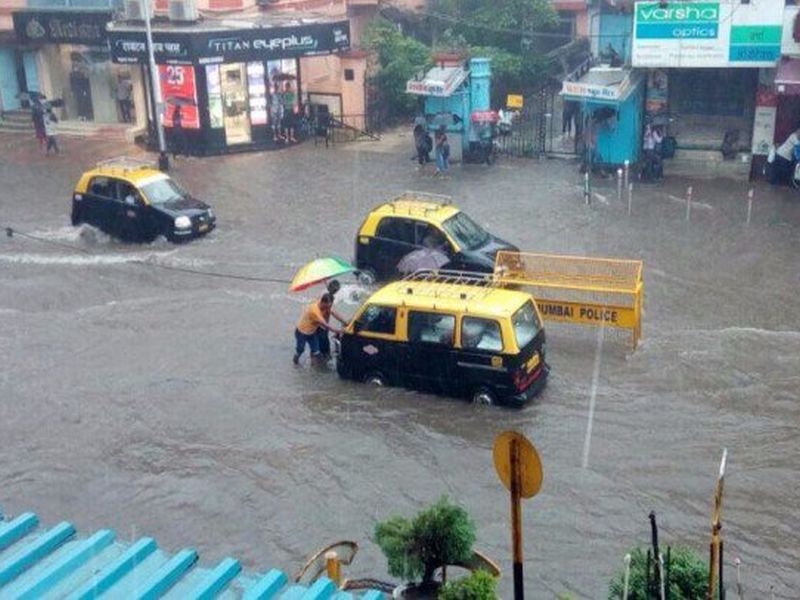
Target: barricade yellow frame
(579, 289)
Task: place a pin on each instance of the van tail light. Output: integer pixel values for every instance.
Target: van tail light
(518, 378)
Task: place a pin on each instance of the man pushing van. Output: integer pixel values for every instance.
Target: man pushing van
(312, 323)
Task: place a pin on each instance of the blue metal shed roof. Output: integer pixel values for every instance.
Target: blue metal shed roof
(56, 562)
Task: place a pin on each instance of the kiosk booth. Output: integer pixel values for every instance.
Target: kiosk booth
(452, 92)
(611, 101)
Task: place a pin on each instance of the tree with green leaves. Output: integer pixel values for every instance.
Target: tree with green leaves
(688, 576)
(399, 58)
(478, 585)
(440, 535)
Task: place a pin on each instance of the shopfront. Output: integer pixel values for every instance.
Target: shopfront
(706, 62)
(66, 56)
(229, 89)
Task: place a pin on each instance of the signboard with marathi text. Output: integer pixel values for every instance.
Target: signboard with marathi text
(726, 33)
(86, 27)
(514, 101)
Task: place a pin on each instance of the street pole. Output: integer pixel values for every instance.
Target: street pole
(630, 197)
(516, 522)
(627, 577)
(688, 202)
(163, 159)
(749, 205)
(587, 188)
(619, 185)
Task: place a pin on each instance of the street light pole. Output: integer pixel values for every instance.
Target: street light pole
(163, 159)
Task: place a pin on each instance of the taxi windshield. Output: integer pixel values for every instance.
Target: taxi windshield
(465, 231)
(162, 191)
(526, 324)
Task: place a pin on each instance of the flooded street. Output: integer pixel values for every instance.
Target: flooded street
(161, 402)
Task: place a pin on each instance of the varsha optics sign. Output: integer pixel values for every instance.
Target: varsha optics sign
(62, 27)
(208, 47)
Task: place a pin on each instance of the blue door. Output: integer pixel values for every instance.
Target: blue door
(9, 87)
(31, 73)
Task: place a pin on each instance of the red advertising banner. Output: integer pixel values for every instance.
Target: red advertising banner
(178, 89)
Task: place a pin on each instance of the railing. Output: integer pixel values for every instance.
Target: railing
(575, 289)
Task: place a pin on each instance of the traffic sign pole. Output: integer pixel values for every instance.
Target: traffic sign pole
(516, 520)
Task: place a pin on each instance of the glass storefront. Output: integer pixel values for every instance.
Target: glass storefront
(92, 87)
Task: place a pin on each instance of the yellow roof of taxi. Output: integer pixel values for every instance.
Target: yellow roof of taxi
(451, 297)
(426, 210)
(135, 175)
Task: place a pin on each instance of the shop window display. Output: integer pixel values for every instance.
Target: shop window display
(178, 89)
(214, 97)
(258, 93)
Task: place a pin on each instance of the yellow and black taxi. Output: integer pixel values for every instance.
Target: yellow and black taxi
(417, 230)
(131, 200)
(448, 332)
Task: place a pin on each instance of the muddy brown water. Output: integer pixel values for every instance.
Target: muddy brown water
(166, 404)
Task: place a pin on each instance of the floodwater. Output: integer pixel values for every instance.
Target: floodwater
(159, 402)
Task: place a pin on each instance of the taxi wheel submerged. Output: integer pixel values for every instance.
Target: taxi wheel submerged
(483, 396)
(375, 378)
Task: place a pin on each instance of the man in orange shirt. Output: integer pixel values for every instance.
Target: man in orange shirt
(312, 319)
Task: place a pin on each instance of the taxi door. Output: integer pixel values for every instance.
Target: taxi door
(394, 238)
(481, 360)
(100, 205)
(132, 214)
(373, 348)
(430, 360)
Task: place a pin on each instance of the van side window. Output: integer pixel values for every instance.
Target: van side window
(481, 334)
(102, 186)
(431, 328)
(377, 319)
(396, 230)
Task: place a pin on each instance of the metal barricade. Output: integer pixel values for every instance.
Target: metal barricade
(577, 289)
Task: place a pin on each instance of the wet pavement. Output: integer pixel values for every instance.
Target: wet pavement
(160, 402)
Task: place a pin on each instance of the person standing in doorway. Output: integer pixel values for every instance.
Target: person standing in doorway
(568, 118)
(50, 131)
(124, 90)
(781, 168)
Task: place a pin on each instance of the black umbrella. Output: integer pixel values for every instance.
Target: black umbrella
(180, 101)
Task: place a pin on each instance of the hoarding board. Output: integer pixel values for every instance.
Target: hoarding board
(727, 33)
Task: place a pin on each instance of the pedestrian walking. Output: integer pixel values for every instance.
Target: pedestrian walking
(442, 150)
(37, 116)
(652, 155)
(306, 332)
(50, 131)
(124, 89)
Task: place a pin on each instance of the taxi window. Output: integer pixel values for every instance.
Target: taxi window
(102, 186)
(377, 319)
(400, 230)
(526, 324)
(125, 190)
(431, 328)
(481, 334)
(429, 236)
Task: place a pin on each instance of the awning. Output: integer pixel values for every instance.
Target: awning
(602, 84)
(439, 81)
(787, 77)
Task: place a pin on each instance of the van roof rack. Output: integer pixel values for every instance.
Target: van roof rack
(411, 196)
(125, 163)
(440, 281)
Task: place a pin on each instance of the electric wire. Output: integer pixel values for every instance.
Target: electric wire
(12, 231)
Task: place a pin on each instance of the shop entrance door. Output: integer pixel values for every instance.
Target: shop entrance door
(9, 86)
(236, 117)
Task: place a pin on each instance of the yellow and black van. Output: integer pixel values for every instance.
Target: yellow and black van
(448, 332)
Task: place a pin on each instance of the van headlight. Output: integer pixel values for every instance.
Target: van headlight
(183, 223)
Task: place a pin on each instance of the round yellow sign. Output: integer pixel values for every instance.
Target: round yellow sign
(529, 468)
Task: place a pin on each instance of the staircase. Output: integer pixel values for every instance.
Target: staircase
(58, 562)
(19, 121)
(707, 164)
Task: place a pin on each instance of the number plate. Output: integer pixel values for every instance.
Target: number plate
(532, 363)
(203, 227)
